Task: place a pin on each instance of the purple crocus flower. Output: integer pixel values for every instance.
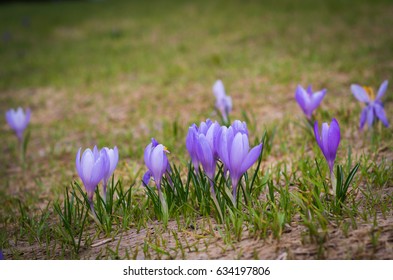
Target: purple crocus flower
(328, 141)
(308, 100)
(205, 154)
(223, 102)
(92, 168)
(210, 130)
(374, 107)
(113, 156)
(236, 155)
(202, 146)
(191, 142)
(1, 255)
(239, 126)
(18, 120)
(156, 162)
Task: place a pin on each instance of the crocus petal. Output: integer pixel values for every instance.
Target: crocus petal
(370, 115)
(146, 177)
(317, 136)
(205, 156)
(218, 89)
(203, 127)
(382, 90)
(96, 153)
(316, 99)
(154, 142)
(251, 158)
(19, 119)
(223, 147)
(27, 117)
(237, 154)
(363, 117)
(309, 90)
(325, 140)
(211, 136)
(87, 164)
(113, 155)
(334, 140)
(228, 104)
(380, 112)
(157, 162)
(360, 93)
(10, 119)
(146, 155)
(303, 99)
(99, 169)
(239, 126)
(78, 164)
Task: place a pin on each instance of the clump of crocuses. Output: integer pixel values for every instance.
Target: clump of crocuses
(223, 101)
(95, 166)
(374, 108)
(309, 100)
(234, 151)
(202, 145)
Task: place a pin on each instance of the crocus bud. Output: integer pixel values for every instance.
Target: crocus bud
(308, 100)
(223, 102)
(328, 141)
(18, 120)
(236, 155)
(156, 162)
(91, 168)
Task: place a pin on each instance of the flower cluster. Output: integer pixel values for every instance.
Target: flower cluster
(211, 142)
(329, 138)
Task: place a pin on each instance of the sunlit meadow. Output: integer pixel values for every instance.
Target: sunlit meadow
(196, 130)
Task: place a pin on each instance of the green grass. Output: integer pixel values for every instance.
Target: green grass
(120, 72)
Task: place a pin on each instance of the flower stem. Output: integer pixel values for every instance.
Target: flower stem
(164, 207)
(333, 180)
(235, 181)
(92, 209)
(104, 192)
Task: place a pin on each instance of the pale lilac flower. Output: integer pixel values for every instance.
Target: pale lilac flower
(208, 129)
(328, 141)
(156, 162)
(113, 156)
(92, 168)
(374, 108)
(191, 142)
(307, 100)
(205, 156)
(223, 102)
(235, 153)
(18, 120)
